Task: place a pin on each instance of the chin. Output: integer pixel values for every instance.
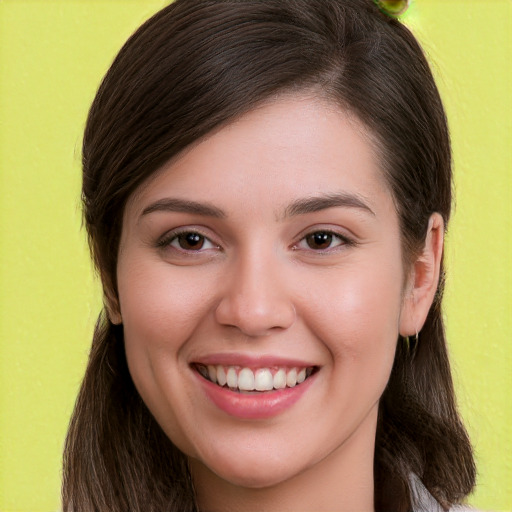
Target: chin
(254, 474)
(266, 477)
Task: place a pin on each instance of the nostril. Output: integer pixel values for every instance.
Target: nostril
(253, 318)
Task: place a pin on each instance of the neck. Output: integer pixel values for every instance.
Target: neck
(342, 481)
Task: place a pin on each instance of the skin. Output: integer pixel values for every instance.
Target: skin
(257, 287)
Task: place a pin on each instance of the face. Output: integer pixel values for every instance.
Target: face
(260, 288)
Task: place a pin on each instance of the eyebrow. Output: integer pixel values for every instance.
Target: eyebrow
(298, 207)
(184, 206)
(323, 202)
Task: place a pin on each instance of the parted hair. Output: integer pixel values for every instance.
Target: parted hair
(197, 65)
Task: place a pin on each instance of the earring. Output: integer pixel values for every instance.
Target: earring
(407, 343)
(411, 343)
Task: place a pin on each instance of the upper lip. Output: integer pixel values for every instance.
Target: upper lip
(251, 360)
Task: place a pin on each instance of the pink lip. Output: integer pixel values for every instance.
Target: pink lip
(257, 405)
(249, 361)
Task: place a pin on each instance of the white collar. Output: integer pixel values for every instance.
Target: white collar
(422, 500)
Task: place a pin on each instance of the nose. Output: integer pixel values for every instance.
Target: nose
(256, 298)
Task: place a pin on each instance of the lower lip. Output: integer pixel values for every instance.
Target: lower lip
(259, 405)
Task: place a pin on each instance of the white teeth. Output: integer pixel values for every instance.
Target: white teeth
(263, 380)
(291, 378)
(221, 376)
(245, 380)
(280, 379)
(232, 378)
(212, 373)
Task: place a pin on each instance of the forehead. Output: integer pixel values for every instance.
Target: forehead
(288, 147)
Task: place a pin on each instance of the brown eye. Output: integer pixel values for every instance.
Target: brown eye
(320, 240)
(189, 241)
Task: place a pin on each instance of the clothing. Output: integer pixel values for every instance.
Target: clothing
(423, 501)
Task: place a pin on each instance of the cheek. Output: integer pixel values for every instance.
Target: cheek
(358, 301)
(161, 306)
(161, 309)
(356, 315)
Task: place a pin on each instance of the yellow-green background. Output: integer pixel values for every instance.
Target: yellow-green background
(52, 56)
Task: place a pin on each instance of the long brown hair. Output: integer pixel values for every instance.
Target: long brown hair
(194, 66)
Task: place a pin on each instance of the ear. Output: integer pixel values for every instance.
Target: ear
(112, 306)
(423, 279)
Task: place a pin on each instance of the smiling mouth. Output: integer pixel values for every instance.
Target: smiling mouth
(247, 380)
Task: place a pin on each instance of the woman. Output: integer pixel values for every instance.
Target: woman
(266, 188)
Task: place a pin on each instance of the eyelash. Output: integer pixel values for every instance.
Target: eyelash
(343, 241)
(169, 238)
